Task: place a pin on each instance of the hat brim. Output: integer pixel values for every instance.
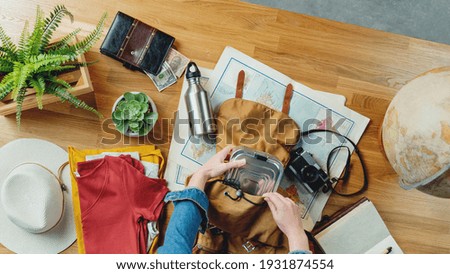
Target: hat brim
(63, 234)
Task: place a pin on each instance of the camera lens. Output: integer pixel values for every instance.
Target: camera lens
(309, 174)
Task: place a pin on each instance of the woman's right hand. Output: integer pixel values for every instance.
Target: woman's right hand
(287, 216)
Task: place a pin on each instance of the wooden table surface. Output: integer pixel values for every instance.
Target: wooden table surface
(367, 66)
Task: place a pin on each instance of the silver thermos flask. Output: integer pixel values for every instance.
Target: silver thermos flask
(201, 117)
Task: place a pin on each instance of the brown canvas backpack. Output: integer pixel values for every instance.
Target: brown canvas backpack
(245, 224)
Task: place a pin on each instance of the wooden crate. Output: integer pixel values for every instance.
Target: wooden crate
(79, 79)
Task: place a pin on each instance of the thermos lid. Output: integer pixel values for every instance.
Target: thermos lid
(192, 71)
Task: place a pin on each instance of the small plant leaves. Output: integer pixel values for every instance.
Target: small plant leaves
(133, 113)
(128, 96)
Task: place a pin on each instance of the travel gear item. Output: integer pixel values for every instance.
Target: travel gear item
(247, 123)
(240, 222)
(36, 213)
(239, 225)
(201, 118)
(303, 168)
(262, 172)
(137, 45)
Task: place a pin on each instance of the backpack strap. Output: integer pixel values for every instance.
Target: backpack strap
(287, 95)
(240, 84)
(287, 98)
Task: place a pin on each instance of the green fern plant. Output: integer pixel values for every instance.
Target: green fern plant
(35, 63)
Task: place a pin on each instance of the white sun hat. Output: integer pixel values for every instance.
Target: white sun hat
(36, 213)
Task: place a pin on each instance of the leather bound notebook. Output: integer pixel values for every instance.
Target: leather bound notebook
(356, 229)
(136, 44)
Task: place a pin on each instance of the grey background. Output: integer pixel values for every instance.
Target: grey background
(425, 19)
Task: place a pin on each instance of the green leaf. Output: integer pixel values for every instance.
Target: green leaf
(24, 37)
(145, 98)
(52, 22)
(62, 93)
(134, 106)
(121, 105)
(39, 85)
(5, 66)
(54, 68)
(122, 127)
(82, 64)
(41, 60)
(118, 115)
(20, 74)
(6, 86)
(60, 82)
(128, 96)
(19, 100)
(87, 43)
(65, 41)
(6, 40)
(8, 55)
(126, 114)
(115, 120)
(144, 107)
(33, 45)
(140, 97)
(134, 126)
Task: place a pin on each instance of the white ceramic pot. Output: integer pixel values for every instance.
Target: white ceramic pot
(152, 105)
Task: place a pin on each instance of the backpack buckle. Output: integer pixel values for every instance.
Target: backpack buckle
(249, 246)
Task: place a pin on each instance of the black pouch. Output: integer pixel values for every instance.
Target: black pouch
(137, 45)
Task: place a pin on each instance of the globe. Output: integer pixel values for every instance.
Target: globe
(416, 133)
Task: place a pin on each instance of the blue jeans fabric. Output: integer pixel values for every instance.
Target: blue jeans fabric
(189, 216)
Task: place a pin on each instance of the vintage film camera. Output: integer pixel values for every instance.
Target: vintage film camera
(303, 168)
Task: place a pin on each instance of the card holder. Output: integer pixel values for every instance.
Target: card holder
(137, 45)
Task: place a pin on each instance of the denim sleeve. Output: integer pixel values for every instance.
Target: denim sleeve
(188, 217)
(300, 252)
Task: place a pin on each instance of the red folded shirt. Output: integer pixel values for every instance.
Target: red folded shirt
(117, 201)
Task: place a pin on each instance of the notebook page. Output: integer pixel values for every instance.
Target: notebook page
(355, 233)
(384, 244)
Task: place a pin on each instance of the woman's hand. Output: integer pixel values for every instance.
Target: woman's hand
(287, 216)
(214, 167)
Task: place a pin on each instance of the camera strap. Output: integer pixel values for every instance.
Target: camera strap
(346, 172)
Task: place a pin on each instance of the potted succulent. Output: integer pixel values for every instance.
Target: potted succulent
(35, 62)
(134, 114)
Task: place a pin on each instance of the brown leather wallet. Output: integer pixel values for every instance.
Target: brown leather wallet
(137, 45)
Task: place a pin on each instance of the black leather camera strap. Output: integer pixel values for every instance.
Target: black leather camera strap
(346, 173)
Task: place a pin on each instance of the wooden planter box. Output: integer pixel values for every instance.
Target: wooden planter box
(79, 79)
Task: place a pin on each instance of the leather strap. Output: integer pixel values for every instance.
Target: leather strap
(240, 84)
(287, 99)
(287, 95)
(127, 38)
